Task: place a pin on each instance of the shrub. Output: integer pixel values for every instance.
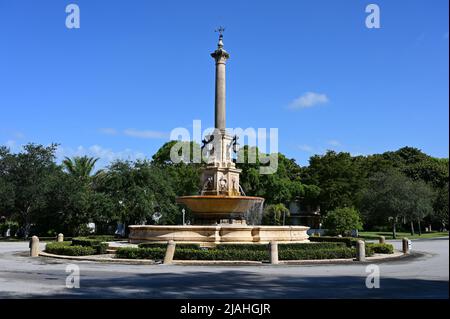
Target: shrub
(246, 247)
(66, 249)
(380, 248)
(221, 254)
(12, 226)
(307, 254)
(343, 220)
(99, 245)
(156, 253)
(242, 252)
(312, 246)
(349, 241)
(102, 237)
(273, 214)
(180, 245)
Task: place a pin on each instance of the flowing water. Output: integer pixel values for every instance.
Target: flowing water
(254, 215)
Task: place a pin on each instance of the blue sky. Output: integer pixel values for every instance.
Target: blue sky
(135, 70)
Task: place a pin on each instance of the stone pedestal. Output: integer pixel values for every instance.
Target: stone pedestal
(34, 246)
(360, 251)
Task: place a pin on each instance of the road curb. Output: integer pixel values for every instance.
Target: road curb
(369, 260)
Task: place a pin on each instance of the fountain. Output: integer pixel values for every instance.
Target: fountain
(221, 210)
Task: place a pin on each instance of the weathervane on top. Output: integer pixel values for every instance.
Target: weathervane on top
(220, 30)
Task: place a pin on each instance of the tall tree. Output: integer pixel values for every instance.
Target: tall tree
(392, 196)
(28, 173)
(80, 166)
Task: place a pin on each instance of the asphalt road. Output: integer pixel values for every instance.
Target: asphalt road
(423, 276)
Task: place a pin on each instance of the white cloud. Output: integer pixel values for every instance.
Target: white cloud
(334, 143)
(308, 99)
(108, 131)
(134, 133)
(105, 155)
(10, 144)
(306, 148)
(144, 134)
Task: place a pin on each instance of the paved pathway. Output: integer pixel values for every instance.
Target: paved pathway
(422, 277)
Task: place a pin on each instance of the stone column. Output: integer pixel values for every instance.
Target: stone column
(273, 252)
(381, 239)
(34, 246)
(60, 238)
(170, 252)
(220, 56)
(360, 251)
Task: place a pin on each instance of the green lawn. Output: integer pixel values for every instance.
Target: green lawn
(388, 235)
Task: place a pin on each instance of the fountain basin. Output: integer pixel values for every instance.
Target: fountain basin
(209, 236)
(217, 207)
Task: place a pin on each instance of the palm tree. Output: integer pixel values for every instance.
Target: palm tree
(80, 166)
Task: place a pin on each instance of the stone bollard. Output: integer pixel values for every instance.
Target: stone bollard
(405, 245)
(360, 251)
(170, 252)
(60, 238)
(273, 252)
(381, 239)
(34, 246)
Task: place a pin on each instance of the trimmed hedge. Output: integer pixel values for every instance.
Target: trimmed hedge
(156, 245)
(297, 246)
(335, 253)
(349, 241)
(65, 248)
(380, 248)
(221, 254)
(156, 253)
(312, 246)
(99, 245)
(242, 252)
(101, 237)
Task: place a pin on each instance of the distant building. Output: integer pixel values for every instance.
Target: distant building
(304, 215)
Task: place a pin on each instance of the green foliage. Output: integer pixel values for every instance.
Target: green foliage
(283, 186)
(26, 178)
(273, 214)
(391, 195)
(66, 249)
(297, 246)
(156, 253)
(335, 253)
(221, 254)
(12, 226)
(80, 167)
(45, 198)
(349, 241)
(179, 245)
(313, 246)
(242, 252)
(98, 244)
(339, 177)
(341, 221)
(380, 248)
(441, 206)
